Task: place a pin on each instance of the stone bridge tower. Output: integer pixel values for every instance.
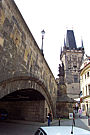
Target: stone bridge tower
(71, 56)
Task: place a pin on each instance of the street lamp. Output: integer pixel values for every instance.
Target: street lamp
(43, 33)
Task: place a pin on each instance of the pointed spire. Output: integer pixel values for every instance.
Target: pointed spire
(64, 42)
(82, 43)
(61, 50)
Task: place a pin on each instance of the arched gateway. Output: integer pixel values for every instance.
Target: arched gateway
(26, 98)
(28, 88)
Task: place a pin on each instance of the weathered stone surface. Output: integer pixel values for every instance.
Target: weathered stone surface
(64, 104)
(63, 109)
(72, 59)
(1, 41)
(25, 110)
(21, 56)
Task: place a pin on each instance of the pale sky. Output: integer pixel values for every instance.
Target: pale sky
(56, 17)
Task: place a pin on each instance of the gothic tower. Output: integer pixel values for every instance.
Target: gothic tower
(71, 57)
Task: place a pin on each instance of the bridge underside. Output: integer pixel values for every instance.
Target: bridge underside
(26, 104)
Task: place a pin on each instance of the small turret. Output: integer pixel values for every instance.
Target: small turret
(64, 43)
(60, 52)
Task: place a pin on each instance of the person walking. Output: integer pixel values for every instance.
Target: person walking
(76, 106)
(49, 118)
(80, 112)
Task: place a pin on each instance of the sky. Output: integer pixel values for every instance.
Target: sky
(56, 17)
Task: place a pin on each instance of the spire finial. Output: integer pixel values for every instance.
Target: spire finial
(61, 50)
(64, 42)
(82, 43)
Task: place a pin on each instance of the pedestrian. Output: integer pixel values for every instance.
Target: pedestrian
(49, 118)
(80, 112)
(76, 106)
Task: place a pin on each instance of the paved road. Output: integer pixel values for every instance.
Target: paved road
(28, 128)
(18, 128)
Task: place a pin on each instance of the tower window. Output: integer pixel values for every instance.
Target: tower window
(75, 78)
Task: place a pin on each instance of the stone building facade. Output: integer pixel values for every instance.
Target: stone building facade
(85, 85)
(71, 57)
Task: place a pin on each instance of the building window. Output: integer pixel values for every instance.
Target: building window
(89, 89)
(75, 78)
(87, 74)
(86, 90)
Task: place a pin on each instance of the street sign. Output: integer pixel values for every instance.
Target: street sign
(70, 115)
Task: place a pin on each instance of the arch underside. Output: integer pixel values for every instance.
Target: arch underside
(28, 96)
(24, 95)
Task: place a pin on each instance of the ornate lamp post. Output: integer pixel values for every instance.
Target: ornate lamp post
(43, 33)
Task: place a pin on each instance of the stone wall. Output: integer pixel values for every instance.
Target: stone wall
(64, 104)
(72, 60)
(25, 110)
(63, 109)
(20, 54)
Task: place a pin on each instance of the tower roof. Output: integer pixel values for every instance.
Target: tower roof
(70, 40)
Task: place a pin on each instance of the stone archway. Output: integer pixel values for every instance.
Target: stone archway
(26, 104)
(26, 85)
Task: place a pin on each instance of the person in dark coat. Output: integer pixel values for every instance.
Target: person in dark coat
(49, 118)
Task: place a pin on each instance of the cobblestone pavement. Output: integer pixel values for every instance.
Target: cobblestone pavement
(29, 128)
